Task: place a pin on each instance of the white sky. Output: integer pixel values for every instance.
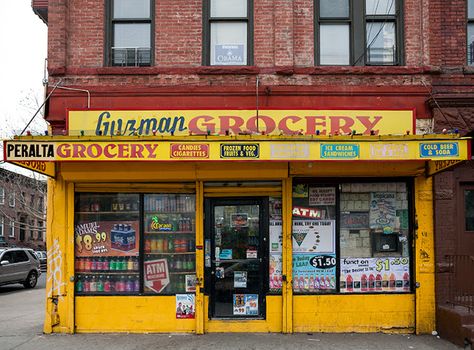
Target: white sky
(23, 49)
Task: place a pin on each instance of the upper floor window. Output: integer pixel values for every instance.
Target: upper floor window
(11, 229)
(228, 32)
(130, 32)
(470, 32)
(11, 199)
(2, 219)
(2, 195)
(358, 32)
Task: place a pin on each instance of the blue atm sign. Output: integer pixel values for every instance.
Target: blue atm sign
(439, 149)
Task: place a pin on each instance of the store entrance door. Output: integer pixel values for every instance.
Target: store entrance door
(236, 262)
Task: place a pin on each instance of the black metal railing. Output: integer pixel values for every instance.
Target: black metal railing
(461, 280)
(131, 56)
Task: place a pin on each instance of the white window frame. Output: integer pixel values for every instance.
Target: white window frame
(2, 221)
(2, 195)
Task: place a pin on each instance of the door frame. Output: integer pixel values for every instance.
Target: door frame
(209, 204)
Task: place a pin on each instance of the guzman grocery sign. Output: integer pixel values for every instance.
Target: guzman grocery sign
(270, 121)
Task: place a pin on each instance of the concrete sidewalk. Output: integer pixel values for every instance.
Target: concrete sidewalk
(223, 341)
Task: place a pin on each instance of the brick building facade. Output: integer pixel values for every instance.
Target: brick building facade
(388, 55)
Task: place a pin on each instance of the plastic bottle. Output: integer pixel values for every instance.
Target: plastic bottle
(349, 283)
(311, 283)
(378, 282)
(79, 285)
(94, 265)
(371, 282)
(385, 282)
(165, 244)
(106, 264)
(179, 263)
(136, 285)
(129, 285)
(135, 264)
(107, 284)
(124, 264)
(296, 286)
(170, 246)
(130, 264)
(93, 284)
(86, 286)
(87, 264)
(113, 264)
(100, 283)
(392, 281)
(406, 281)
(364, 285)
(316, 283)
(147, 246)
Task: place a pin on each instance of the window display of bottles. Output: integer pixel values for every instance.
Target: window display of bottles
(169, 221)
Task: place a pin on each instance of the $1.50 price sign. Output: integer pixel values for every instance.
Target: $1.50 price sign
(386, 264)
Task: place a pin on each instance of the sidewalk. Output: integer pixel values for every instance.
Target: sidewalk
(224, 341)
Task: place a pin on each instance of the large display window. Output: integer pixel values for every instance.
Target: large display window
(130, 243)
(351, 237)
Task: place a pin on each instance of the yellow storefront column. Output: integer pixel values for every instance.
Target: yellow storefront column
(59, 316)
(199, 307)
(287, 262)
(424, 256)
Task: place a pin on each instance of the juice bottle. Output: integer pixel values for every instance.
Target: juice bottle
(378, 282)
(371, 282)
(86, 286)
(93, 264)
(316, 283)
(385, 282)
(130, 264)
(328, 283)
(349, 283)
(136, 285)
(147, 246)
(165, 245)
(311, 283)
(154, 245)
(107, 284)
(306, 282)
(159, 245)
(301, 283)
(80, 265)
(106, 264)
(406, 281)
(364, 285)
(129, 284)
(295, 283)
(93, 285)
(392, 281)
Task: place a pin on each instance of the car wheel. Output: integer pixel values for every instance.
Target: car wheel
(31, 280)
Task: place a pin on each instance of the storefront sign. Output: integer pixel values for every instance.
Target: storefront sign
(322, 196)
(437, 166)
(248, 150)
(389, 151)
(185, 307)
(157, 275)
(274, 122)
(314, 273)
(316, 236)
(189, 150)
(134, 149)
(45, 168)
(309, 213)
(375, 275)
(339, 151)
(106, 238)
(439, 149)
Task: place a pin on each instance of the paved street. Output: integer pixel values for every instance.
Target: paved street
(21, 319)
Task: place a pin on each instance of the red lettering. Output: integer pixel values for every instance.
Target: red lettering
(369, 126)
(341, 124)
(313, 123)
(107, 151)
(94, 154)
(151, 150)
(267, 121)
(78, 151)
(282, 125)
(137, 151)
(194, 125)
(123, 150)
(64, 150)
(226, 125)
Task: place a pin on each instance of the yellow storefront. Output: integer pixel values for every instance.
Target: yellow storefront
(239, 233)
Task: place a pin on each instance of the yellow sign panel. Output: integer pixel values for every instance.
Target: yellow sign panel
(236, 150)
(235, 122)
(438, 166)
(45, 168)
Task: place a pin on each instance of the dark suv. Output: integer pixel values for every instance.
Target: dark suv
(19, 265)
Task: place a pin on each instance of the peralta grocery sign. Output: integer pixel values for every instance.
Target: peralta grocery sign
(222, 122)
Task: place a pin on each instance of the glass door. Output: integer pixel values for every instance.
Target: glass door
(236, 258)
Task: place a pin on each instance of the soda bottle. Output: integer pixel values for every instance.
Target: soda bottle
(129, 285)
(170, 245)
(100, 265)
(136, 285)
(113, 264)
(80, 266)
(107, 284)
(86, 286)
(135, 264)
(79, 285)
(406, 281)
(147, 246)
(87, 265)
(106, 264)
(177, 245)
(165, 245)
(93, 285)
(100, 283)
(124, 264)
(179, 264)
(112, 284)
(130, 264)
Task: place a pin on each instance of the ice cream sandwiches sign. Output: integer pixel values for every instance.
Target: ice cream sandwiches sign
(157, 275)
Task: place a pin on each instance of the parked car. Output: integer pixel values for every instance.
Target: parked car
(19, 265)
(43, 259)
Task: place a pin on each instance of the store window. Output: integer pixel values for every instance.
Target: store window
(228, 32)
(469, 209)
(351, 237)
(130, 33)
(130, 243)
(358, 32)
(470, 32)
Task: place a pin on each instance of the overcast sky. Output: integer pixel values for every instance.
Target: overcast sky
(23, 49)
(23, 46)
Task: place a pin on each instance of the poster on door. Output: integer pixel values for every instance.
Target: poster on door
(362, 275)
(245, 304)
(382, 212)
(314, 273)
(314, 236)
(275, 275)
(276, 236)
